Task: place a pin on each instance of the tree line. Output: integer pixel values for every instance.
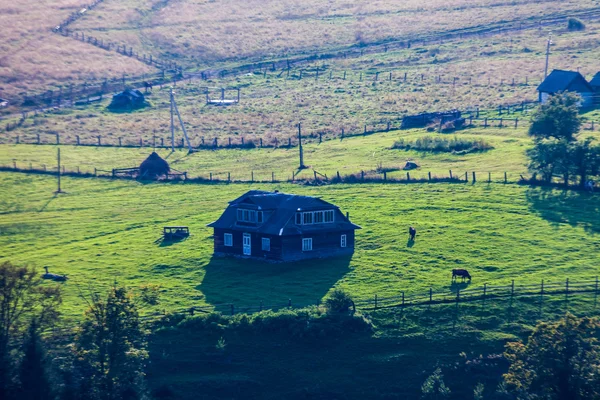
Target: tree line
(107, 357)
(559, 149)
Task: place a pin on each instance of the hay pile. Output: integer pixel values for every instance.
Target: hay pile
(154, 166)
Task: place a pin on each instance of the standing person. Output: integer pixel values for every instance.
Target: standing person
(412, 232)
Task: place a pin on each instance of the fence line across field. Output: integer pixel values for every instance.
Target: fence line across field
(314, 176)
(482, 293)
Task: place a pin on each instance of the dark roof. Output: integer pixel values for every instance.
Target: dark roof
(279, 213)
(595, 82)
(561, 81)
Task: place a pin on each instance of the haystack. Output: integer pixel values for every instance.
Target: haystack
(154, 166)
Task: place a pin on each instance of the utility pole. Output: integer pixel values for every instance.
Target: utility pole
(172, 124)
(300, 147)
(548, 55)
(174, 107)
(58, 170)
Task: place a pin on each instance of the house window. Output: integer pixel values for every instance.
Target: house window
(343, 241)
(307, 218)
(307, 244)
(249, 216)
(329, 216)
(266, 244)
(314, 217)
(228, 239)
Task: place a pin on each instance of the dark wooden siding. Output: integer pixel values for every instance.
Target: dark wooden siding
(238, 244)
(324, 245)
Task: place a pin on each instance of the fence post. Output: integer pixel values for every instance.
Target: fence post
(229, 177)
(489, 177)
(38, 138)
(376, 301)
(77, 139)
(385, 175)
(99, 140)
(429, 174)
(474, 179)
(252, 176)
(210, 176)
(450, 174)
(408, 176)
(95, 172)
(457, 295)
(505, 177)
(402, 299)
(466, 177)
(17, 139)
(57, 139)
(430, 295)
(516, 123)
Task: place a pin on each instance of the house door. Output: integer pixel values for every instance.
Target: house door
(247, 244)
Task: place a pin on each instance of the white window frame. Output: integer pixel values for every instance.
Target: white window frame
(266, 244)
(343, 241)
(307, 244)
(315, 217)
(228, 243)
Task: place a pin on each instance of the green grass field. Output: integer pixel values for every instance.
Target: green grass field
(102, 231)
(348, 156)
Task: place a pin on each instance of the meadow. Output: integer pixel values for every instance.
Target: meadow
(100, 232)
(370, 154)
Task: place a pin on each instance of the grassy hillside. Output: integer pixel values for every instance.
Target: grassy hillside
(201, 32)
(103, 231)
(32, 58)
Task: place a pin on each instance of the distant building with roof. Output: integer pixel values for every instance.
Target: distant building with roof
(282, 227)
(127, 100)
(595, 83)
(566, 81)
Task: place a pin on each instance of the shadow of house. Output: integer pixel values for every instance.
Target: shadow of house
(247, 283)
(127, 100)
(566, 207)
(566, 81)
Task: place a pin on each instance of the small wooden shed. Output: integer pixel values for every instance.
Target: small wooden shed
(127, 100)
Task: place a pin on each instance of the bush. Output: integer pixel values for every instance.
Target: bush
(339, 302)
(575, 24)
(438, 144)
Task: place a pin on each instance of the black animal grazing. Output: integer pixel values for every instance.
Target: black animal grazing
(412, 232)
(463, 273)
(147, 85)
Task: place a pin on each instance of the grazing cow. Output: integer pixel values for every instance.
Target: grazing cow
(147, 85)
(463, 273)
(412, 232)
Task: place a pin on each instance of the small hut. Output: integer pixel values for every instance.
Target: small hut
(127, 100)
(154, 166)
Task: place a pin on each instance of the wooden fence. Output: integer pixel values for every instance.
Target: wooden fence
(311, 176)
(405, 300)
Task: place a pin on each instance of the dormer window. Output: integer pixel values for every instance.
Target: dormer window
(251, 216)
(314, 217)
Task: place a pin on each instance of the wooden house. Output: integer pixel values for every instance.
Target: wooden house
(127, 100)
(566, 81)
(282, 227)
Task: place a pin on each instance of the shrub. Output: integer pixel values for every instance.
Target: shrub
(339, 302)
(438, 144)
(575, 24)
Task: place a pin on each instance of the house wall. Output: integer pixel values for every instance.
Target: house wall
(238, 244)
(285, 248)
(324, 245)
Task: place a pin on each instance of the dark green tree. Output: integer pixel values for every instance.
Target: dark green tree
(560, 361)
(339, 302)
(23, 297)
(110, 349)
(558, 118)
(34, 383)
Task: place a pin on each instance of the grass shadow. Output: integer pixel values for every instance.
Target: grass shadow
(249, 282)
(566, 207)
(162, 242)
